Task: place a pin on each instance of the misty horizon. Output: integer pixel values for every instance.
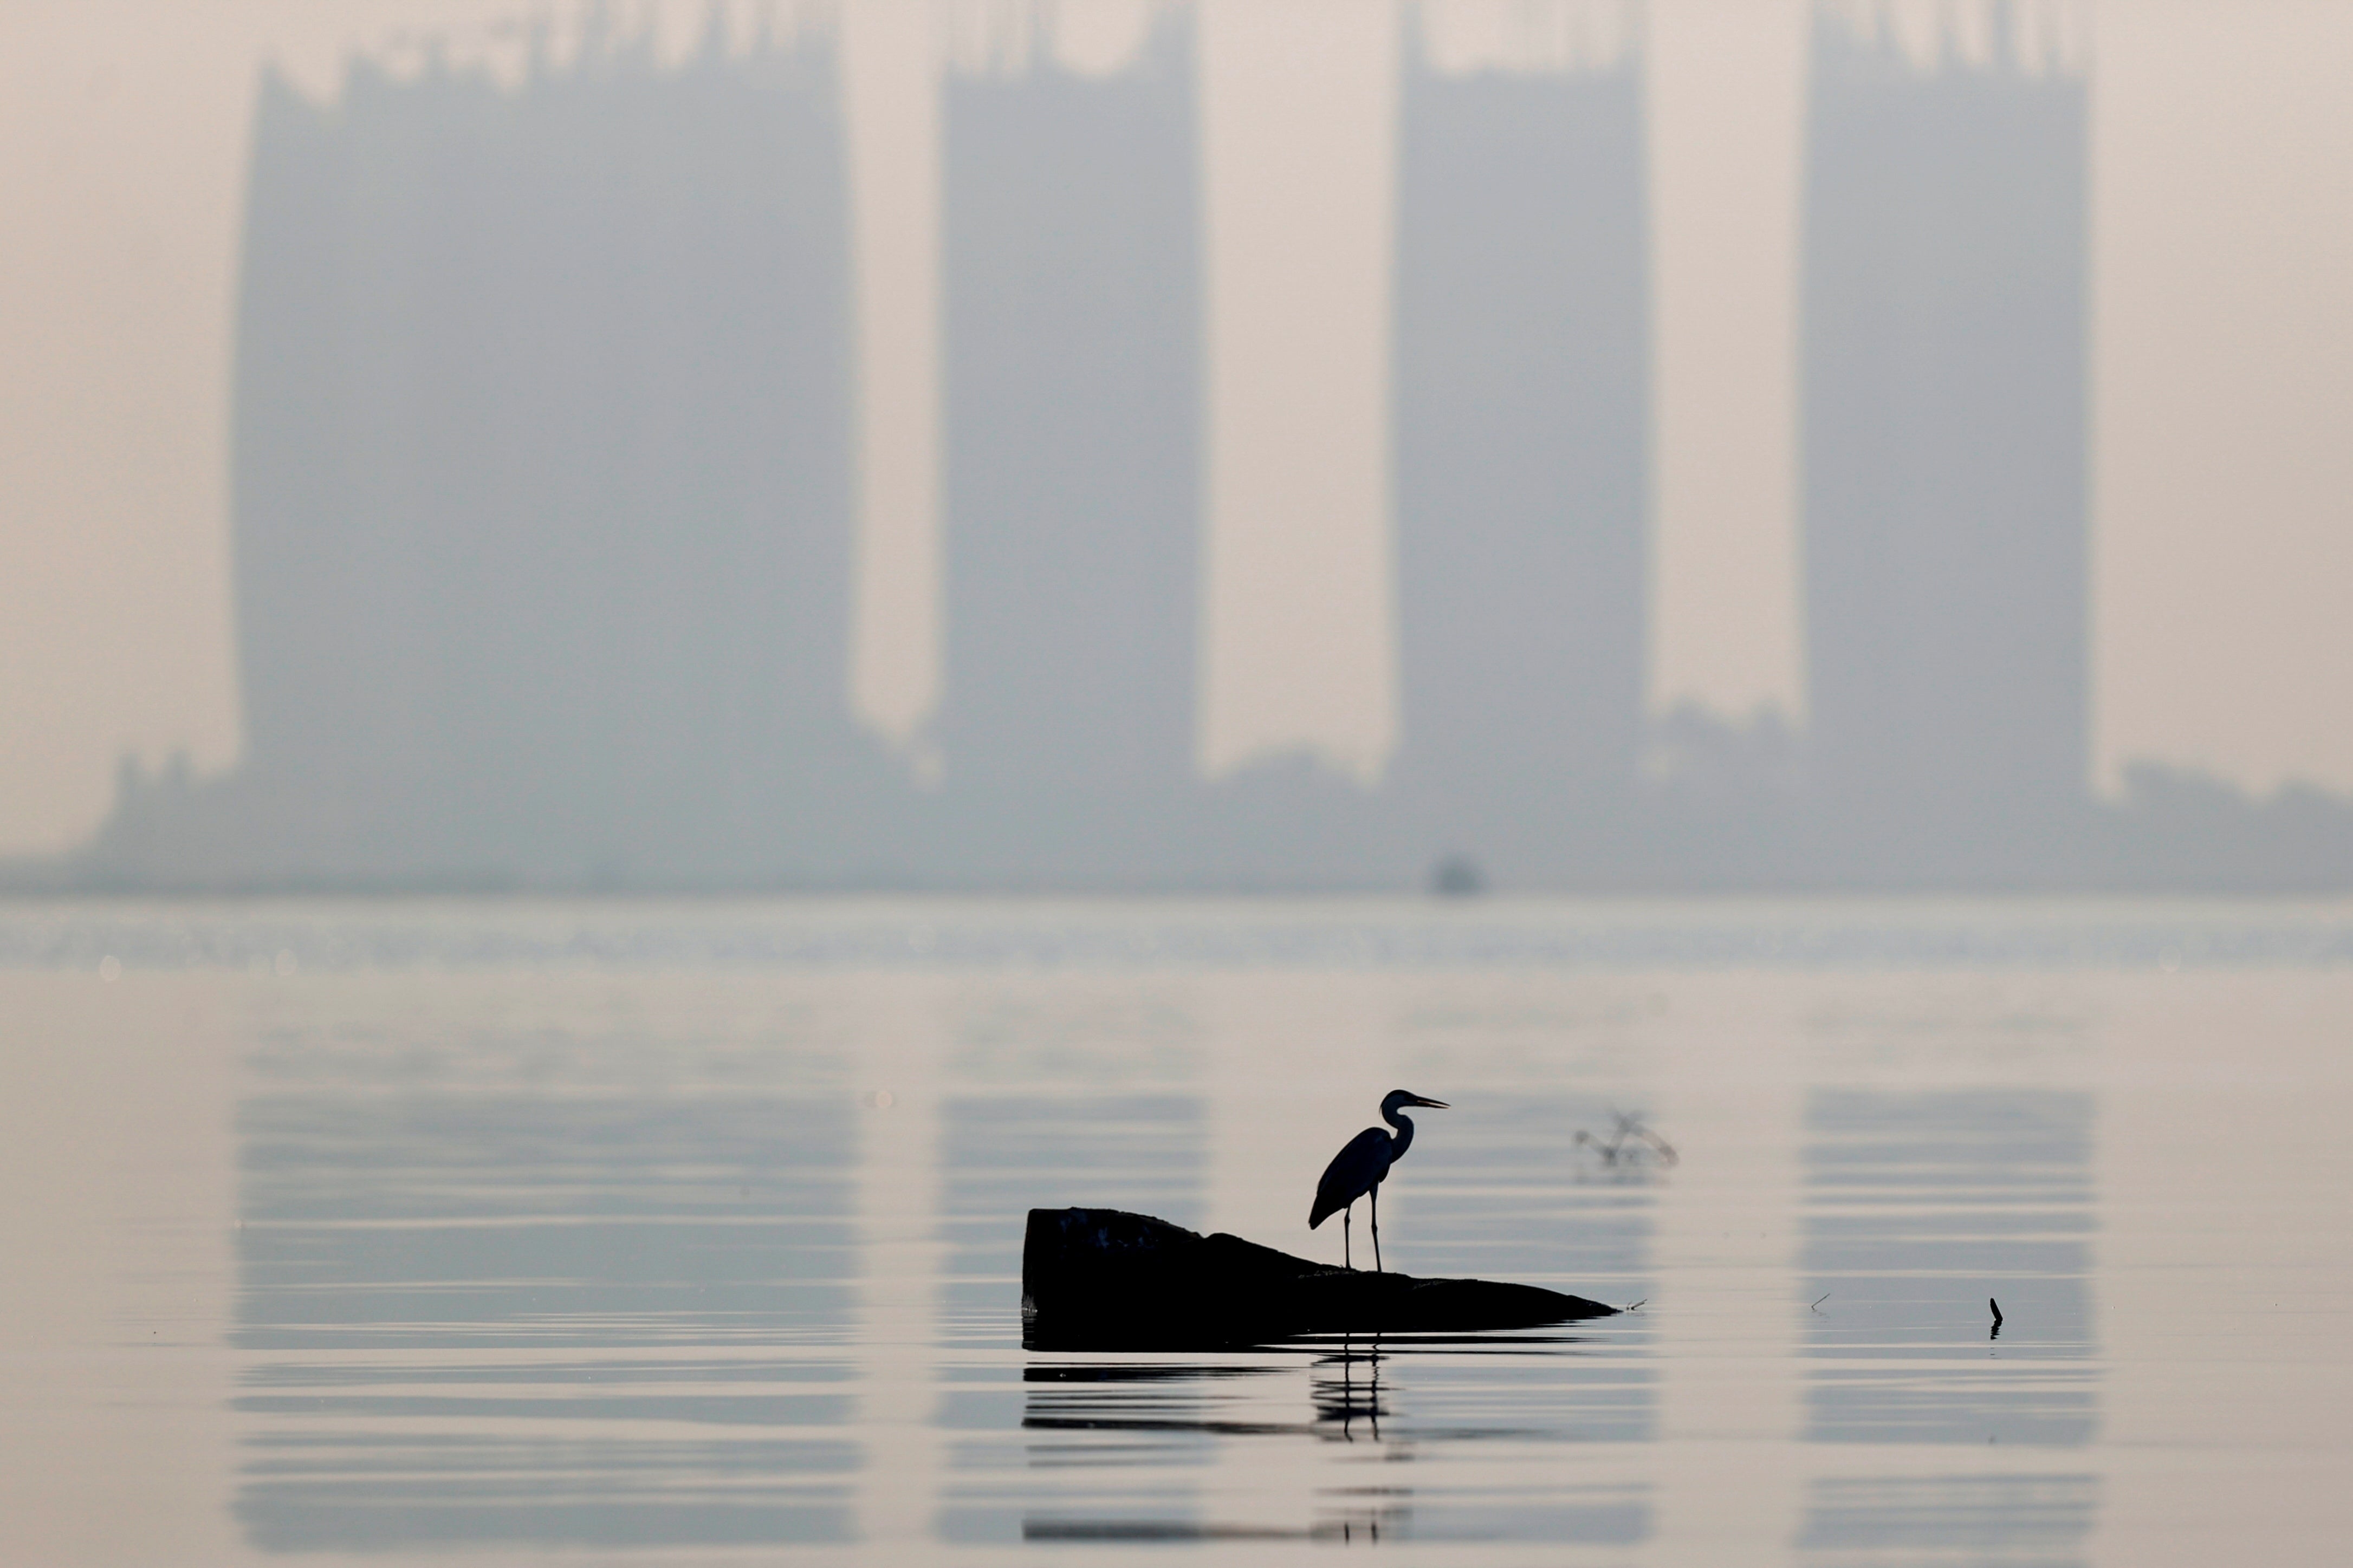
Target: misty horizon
(2217, 236)
(547, 506)
(547, 511)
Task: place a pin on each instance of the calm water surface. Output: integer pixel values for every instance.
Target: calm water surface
(621, 1232)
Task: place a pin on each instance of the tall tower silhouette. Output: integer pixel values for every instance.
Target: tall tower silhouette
(540, 486)
(1944, 444)
(1521, 451)
(1072, 373)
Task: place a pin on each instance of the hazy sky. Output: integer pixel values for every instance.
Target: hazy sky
(2222, 157)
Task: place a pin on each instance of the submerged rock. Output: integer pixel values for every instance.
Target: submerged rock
(1106, 1279)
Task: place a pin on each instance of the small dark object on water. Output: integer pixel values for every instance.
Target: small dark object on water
(1457, 877)
(1106, 1279)
(1629, 1142)
(1997, 1318)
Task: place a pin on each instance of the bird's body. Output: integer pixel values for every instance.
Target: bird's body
(1355, 1170)
(1361, 1167)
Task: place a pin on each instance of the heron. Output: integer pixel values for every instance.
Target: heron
(1362, 1166)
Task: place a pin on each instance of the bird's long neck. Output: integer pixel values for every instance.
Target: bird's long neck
(1404, 1139)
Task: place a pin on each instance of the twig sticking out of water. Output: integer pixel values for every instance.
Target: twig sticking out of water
(1996, 1333)
(1629, 1143)
(1817, 1301)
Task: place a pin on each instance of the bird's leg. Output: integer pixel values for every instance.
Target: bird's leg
(1346, 1261)
(1376, 1227)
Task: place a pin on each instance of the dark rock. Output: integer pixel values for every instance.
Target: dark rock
(1106, 1280)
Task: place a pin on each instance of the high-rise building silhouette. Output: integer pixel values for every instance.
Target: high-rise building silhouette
(1521, 367)
(1073, 370)
(543, 491)
(541, 496)
(1944, 408)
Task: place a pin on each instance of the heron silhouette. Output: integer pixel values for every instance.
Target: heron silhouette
(1362, 1166)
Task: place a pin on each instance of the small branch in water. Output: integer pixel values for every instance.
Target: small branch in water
(1639, 1305)
(1996, 1333)
(1629, 1143)
(1817, 1301)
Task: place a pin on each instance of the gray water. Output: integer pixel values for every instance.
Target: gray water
(624, 1231)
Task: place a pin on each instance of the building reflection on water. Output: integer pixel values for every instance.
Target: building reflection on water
(1916, 1202)
(519, 1292)
(564, 1318)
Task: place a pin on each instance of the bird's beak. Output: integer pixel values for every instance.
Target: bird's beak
(1434, 1104)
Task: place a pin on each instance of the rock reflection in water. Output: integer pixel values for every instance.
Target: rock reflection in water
(1116, 1415)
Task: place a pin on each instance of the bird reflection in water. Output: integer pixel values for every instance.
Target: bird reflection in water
(1346, 1399)
(1344, 1392)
